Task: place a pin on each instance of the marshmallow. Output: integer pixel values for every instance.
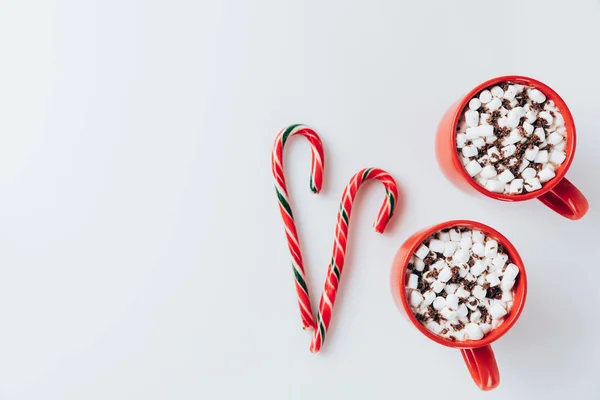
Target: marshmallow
(485, 96)
(546, 174)
(483, 118)
(466, 234)
(450, 248)
(497, 91)
(528, 127)
(516, 186)
(439, 303)
(413, 281)
(512, 138)
(462, 293)
(557, 157)
(479, 292)
(506, 176)
(561, 146)
(450, 288)
(474, 332)
(528, 173)
(499, 261)
(461, 256)
(469, 150)
(541, 157)
(429, 297)
(492, 279)
(491, 248)
(436, 245)
(532, 184)
(485, 328)
(488, 172)
(478, 249)
(511, 271)
(455, 235)
(479, 143)
(444, 236)
(478, 268)
(510, 93)
(434, 326)
(438, 286)
(536, 96)
(524, 165)
(422, 251)
(449, 314)
(530, 153)
(530, 116)
(416, 298)
(439, 264)
(481, 280)
(478, 237)
(493, 152)
(452, 301)
(494, 186)
(419, 264)
(506, 296)
(472, 118)
(474, 104)
(497, 311)
(473, 168)
(445, 275)
(494, 104)
(476, 316)
(472, 303)
(507, 284)
(545, 115)
(554, 138)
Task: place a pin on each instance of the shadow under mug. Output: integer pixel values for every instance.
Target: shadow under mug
(558, 194)
(477, 354)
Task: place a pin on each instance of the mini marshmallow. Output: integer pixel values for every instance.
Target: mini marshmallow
(466, 243)
(463, 311)
(511, 271)
(524, 165)
(495, 186)
(478, 268)
(438, 286)
(444, 236)
(516, 186)
(507, 284)
(532, 184)
(528, 128)
(491, 248)
(470, 151)
(450, 248)
(439, 264)
(541, 157)
(466, 234)
(510, 93)
(531, 152)
(422, 251)
(530, 116)
(419, 264)
(429, 297)
(506, 296)
(449, 314)
(439, 303)
(434, 326)
(413, 281)
(474, 331)
(558, 157)
(450, 288)
(476, 316)
(485, 96)
(546, 174)
(455, 235)
(528, 173)
(472, 303)
(483, 118)
(512, 138)
(554, 138)
(479, 143)
(445, 275)
(437, 245)
(485, 130)
(497, 311)
(469, 277)
(452, 301)
(497, 91)
(536, 96)
(464, 161)
(561, 146)
(494, 104)
(474, 104)
(473, 168)
(462, 293)
(493, 152)
(485, 328)
(479, 292)
(478, 249)
(506, 176)
(492, 279)
(416, 298)
(478, 237)
(545, 115)
(461, 256)
(472, 118)
(488, 172)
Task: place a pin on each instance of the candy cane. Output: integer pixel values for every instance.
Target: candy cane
(336, 266)
(316, 180)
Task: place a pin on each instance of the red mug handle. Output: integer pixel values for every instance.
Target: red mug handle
(566, 200)
(482, 366)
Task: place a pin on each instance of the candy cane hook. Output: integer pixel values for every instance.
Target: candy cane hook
(334, 272)
(316, 180)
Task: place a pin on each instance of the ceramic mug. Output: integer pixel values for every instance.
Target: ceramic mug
(477, 354)
(559, 194)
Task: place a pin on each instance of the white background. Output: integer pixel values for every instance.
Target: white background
(142, 254)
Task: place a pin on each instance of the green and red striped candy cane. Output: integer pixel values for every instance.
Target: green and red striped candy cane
(316, 180)
(334, 272)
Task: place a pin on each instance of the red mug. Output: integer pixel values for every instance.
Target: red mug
(559, 194)
(478, 354)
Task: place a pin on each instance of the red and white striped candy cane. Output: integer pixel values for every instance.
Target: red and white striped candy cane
(336, 266)
(316, 180)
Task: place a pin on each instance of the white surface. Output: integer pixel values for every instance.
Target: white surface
(142, 252)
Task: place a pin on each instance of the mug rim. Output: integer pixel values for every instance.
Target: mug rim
(521, 283)
(569, 125)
